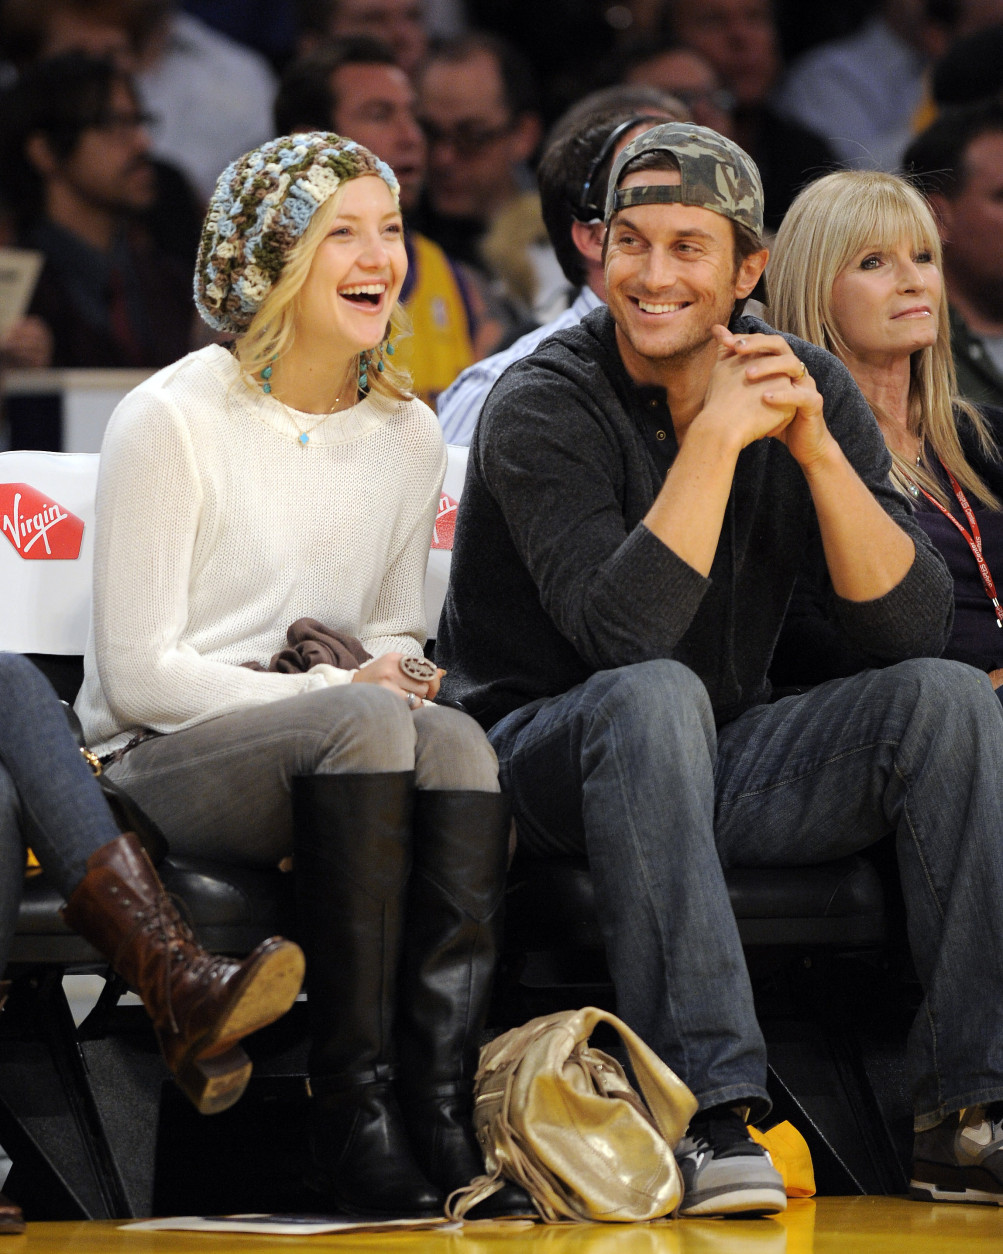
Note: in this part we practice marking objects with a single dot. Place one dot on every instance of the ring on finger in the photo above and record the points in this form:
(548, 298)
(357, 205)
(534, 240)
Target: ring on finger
(419, 668)
(804, 371)
(413, 701)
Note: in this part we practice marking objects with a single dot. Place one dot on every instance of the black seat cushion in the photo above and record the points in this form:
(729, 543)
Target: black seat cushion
(231, 909)
(551, 905)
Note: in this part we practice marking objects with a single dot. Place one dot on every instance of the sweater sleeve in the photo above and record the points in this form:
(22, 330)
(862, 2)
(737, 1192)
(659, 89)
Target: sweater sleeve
(614, 591)
(148, 509)
(914, 618)
(397, 623)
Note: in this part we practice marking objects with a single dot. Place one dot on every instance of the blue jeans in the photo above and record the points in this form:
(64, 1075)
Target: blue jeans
(627, 768)
(48, 796)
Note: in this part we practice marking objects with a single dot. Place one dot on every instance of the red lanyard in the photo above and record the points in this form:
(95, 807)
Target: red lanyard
(972, 538)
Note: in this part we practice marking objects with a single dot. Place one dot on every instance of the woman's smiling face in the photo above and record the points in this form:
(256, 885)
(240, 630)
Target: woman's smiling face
(357, 271)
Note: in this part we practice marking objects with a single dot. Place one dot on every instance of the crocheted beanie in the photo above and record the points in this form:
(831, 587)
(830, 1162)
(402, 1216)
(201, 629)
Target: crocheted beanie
(262, 204)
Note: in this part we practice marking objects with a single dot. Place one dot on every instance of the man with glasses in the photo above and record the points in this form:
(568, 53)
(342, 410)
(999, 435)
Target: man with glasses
(477, 104)
(572, 179)
(355, 86)
(74, 148)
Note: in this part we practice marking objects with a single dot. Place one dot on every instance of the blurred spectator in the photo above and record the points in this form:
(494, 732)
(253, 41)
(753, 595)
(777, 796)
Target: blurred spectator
(401, 23)
(958, 164)
(74, 145)
(739, 39)
(269, 26)
(35, 30)
(971, 69)
(863, 91)
(572, 177)
(211, 97)
(688, 76)
(477, 102)
(355, 87)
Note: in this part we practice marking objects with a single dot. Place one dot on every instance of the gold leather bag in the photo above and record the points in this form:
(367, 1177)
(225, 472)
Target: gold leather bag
(560, 1119)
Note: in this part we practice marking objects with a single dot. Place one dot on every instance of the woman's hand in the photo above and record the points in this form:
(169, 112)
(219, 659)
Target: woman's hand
(386, 671)
(996, 678)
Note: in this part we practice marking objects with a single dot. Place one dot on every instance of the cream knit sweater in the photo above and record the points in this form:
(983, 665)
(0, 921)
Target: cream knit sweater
(216, 529)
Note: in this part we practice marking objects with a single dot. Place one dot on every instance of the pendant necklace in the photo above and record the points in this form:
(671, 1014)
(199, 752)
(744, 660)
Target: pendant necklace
(304, 433)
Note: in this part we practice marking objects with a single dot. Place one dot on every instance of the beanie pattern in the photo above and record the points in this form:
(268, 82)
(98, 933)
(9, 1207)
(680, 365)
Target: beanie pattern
(263, 203)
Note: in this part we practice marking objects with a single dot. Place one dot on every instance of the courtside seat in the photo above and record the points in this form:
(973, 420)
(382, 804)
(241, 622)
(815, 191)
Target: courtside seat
(834, 904)
(68, 1119)
(232, 909)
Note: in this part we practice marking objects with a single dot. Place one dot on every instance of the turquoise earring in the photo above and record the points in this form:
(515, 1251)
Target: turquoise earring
(266, 374)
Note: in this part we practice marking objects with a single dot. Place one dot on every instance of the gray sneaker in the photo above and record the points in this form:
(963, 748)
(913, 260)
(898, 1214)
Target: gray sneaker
(961, 1159)
(726, 1172)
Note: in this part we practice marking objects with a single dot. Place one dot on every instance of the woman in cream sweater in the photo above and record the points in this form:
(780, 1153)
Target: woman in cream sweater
(293, 476)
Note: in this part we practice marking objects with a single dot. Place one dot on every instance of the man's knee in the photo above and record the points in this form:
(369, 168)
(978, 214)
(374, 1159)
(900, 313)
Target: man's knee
(939, 688)
(661, 697)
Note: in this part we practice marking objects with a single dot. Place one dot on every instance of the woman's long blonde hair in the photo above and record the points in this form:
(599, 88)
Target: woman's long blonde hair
(831, 220)
(273, 328)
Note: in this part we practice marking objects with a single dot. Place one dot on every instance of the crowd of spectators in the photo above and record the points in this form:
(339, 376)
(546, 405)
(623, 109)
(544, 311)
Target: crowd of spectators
(120, 114)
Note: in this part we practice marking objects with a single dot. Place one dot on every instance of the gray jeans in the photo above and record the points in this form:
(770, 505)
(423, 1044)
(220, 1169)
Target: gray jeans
(222, 789)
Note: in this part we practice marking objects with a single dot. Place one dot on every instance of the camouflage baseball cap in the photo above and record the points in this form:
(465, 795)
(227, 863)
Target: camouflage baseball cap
(715, 174)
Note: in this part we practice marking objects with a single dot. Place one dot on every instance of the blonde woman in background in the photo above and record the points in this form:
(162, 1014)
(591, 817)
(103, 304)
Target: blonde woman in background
(857, 269)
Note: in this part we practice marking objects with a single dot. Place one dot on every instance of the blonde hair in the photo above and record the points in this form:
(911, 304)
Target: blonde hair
(831, 220)
(272, 330)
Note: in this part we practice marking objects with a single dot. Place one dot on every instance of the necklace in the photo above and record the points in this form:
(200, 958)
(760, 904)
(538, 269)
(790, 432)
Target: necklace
(304, 433)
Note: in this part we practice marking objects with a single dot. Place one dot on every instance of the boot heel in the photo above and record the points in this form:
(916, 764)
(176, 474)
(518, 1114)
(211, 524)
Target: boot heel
(214, 1084)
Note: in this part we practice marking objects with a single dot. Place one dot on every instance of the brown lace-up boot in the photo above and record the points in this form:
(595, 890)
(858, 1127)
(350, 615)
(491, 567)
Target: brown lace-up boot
(201, 1005)
(11, 1218)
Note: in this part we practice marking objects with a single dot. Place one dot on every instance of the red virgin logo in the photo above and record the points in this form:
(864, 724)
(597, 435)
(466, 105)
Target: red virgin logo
(445, 522)
(37, 526)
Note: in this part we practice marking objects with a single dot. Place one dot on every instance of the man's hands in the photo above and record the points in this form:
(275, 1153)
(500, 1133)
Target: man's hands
(759, 388)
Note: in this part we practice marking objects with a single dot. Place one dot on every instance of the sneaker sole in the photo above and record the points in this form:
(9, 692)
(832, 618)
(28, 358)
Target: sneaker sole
(924, 1191)
(736, 1201)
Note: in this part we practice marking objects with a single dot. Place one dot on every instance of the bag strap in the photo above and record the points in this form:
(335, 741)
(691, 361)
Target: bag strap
(671, 1103)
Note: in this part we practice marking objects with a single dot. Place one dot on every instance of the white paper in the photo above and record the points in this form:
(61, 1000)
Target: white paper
(19, 270)
(280, 1225)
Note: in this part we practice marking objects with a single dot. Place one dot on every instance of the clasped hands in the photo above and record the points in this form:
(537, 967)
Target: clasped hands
(759, 387)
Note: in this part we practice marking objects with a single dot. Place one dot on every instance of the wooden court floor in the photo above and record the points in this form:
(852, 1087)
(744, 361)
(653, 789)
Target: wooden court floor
(853, 1225)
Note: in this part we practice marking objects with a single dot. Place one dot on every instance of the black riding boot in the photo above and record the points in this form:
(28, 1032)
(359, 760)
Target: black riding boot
(352, 861)
(451, 942)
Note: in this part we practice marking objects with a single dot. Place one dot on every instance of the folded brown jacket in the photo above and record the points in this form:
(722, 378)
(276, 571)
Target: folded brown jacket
(310, 642)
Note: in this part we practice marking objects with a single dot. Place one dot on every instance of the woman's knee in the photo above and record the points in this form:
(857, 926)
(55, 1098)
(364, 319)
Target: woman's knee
(366, 728)
(452, 752)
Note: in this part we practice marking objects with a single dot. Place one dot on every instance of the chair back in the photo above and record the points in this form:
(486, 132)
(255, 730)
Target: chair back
(440, 555)
(46, 550)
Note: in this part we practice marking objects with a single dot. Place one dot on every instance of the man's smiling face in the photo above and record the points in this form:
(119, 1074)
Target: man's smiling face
(670, 277)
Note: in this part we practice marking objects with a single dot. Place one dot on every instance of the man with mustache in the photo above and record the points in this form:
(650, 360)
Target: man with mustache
(74, 149)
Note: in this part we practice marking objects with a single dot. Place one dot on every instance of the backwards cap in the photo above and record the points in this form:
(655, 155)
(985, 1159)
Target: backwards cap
(263, 203)
(714, 174)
